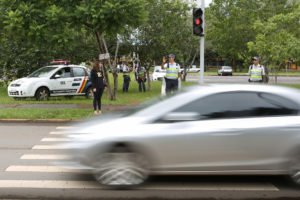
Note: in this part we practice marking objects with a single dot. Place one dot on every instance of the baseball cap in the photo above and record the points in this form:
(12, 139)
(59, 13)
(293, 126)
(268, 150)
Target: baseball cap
(171, 56)
(255, 58)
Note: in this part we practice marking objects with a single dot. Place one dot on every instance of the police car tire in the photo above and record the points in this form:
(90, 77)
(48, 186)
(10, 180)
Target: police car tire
(89, 93)
(42, 90)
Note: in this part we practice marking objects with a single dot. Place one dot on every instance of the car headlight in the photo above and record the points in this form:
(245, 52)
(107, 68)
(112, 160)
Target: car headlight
(15, 85)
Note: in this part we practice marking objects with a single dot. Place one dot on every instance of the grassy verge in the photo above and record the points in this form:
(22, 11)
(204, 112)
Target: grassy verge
(130, 98)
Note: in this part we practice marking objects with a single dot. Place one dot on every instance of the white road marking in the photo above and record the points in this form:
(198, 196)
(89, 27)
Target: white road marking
(65, 127)
(45, 157)
(95, 185)
(58, 133)
(48, 147)
(55, 140)
(21, 168)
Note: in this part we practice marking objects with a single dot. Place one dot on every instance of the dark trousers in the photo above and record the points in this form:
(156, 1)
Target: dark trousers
(97, 98)
(141, 85)
(126, 83)
(171, 85)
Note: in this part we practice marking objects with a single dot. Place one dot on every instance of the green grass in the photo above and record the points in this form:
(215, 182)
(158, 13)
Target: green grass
(133, 97)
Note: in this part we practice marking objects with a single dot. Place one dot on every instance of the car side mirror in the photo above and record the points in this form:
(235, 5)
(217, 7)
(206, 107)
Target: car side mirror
(181, 116)
(57, 76)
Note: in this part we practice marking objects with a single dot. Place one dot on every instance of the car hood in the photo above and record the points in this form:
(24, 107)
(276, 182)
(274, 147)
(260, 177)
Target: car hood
(27, 80)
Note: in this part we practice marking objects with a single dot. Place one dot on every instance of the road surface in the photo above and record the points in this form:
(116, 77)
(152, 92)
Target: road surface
(27, 171)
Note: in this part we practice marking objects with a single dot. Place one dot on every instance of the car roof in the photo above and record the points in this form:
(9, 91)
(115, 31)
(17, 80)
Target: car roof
(61, 66)
(194, 92)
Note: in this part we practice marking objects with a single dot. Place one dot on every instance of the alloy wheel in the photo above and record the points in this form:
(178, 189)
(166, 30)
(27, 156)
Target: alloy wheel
(121, 169)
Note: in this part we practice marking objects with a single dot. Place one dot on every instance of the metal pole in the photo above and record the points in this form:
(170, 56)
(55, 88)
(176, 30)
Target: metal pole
(201, 79)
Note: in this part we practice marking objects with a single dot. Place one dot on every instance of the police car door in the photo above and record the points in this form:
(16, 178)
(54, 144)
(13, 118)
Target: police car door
(80, 80)
(62, 84)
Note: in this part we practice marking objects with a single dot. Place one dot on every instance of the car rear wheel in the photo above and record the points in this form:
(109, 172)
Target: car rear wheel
(89, 93)
(294, 170)
(42, 94)
(121, 169)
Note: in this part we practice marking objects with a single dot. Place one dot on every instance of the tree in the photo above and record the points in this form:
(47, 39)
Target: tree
(55, 22)
(169, 30)
(278, 39)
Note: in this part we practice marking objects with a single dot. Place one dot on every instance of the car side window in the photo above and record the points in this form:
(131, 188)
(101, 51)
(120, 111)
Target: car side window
(240, 104)
(64, 72)
(77, 71)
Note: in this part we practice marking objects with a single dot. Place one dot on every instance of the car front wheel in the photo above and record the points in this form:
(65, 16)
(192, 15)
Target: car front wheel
(89, 93)
(121, 169)
(42, 94)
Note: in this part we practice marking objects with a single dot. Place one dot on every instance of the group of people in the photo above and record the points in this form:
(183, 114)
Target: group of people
(256, 72)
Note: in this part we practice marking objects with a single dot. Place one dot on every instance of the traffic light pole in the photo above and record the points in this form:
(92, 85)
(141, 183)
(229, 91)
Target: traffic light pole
(201, 79)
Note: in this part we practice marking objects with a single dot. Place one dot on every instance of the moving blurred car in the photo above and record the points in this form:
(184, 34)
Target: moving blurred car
(158, 73)
(213, 129)
(53, 80)
(225, 70)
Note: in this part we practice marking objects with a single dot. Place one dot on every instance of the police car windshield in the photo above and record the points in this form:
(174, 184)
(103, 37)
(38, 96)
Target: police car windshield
(43, 72)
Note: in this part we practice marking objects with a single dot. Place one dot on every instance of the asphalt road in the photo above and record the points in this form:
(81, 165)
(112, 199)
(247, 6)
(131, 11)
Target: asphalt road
(244, 79)
(27, 171)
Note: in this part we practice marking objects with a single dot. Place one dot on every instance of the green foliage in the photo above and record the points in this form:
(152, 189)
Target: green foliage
(278, 38)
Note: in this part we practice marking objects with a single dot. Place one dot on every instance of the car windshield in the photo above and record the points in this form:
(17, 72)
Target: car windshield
(226, 67)
(43, 72)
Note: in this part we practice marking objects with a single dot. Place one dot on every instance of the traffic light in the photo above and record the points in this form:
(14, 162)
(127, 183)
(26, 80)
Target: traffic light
(198, 21)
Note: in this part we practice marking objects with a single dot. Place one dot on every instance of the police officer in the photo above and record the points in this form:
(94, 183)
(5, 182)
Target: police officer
(256, 71)
(141, 73)
(173, 73)
(126, 77)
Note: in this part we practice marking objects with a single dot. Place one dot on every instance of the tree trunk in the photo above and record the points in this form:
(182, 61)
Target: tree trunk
(110, 93)
(115, 72)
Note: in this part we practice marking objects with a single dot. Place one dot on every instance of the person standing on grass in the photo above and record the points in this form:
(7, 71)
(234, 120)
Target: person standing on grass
(126, 77)
(98, 86)
(256, 71)
(172, 75)
(141, 72)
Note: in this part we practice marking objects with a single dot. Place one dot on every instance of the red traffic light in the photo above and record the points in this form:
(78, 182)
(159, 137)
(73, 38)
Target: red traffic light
(198, 21)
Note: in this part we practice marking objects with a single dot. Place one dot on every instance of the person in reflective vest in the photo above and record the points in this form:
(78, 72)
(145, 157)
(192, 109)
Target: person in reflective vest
(256, 71)
(172, 74)
(126, 77)
(141, 73)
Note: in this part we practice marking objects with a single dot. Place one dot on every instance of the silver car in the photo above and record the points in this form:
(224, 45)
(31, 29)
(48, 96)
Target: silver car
(211, 129)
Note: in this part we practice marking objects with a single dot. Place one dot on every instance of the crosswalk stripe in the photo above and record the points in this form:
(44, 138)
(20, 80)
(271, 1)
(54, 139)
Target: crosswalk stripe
(48, 147)
(49, 184)
(65, 127)
(58, 133)
(94, 185)
(45, 157)
(45, 169)
(56, 140)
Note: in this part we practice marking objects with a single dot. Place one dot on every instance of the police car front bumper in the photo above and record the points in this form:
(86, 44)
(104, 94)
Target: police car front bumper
(18, 92)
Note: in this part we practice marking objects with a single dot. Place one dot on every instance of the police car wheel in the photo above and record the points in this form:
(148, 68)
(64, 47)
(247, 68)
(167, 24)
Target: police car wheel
(119, 169)
(42, 94)
(89, 93)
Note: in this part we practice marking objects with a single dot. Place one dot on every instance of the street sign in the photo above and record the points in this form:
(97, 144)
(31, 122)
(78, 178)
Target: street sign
(104, 56)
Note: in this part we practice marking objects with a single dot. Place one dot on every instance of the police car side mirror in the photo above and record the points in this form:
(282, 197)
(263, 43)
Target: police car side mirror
(57, 76)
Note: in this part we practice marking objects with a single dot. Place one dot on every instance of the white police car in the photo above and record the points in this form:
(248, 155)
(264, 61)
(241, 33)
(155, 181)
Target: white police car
(54, 80)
